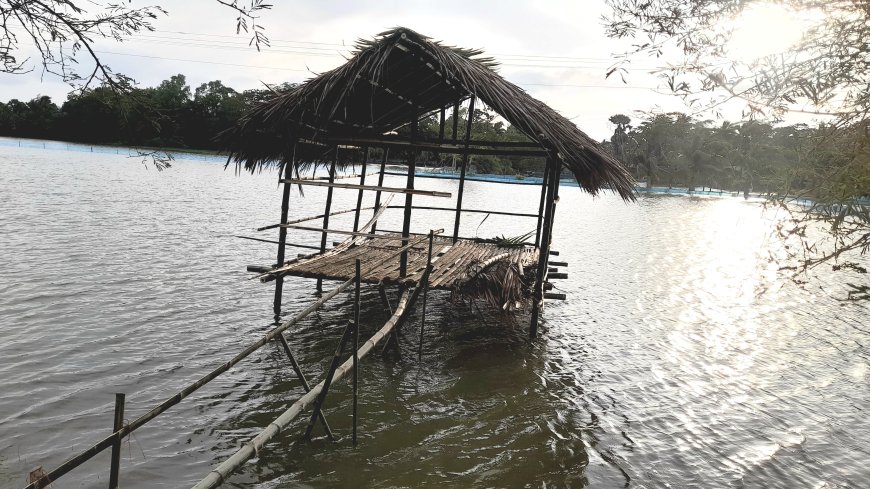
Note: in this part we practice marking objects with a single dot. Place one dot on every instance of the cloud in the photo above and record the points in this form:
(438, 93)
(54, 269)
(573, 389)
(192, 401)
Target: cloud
(556, 50)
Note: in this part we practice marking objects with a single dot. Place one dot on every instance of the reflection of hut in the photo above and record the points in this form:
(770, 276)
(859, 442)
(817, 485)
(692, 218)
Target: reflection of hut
(390, 84)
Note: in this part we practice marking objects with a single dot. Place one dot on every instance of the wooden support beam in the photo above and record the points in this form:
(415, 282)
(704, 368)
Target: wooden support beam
(555, 295)
(559, 263)
(464, 168)
(378, 188)
(557, 275)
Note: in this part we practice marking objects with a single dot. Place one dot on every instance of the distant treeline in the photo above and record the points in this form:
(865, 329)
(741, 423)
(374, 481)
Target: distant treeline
(670, 149)
(171, 115)
(673, 149)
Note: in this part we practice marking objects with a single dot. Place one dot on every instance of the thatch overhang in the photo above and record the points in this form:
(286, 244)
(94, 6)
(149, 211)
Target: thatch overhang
(389, 81)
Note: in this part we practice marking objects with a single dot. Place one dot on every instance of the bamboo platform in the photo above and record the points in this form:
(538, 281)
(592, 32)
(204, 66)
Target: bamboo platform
(453, 264)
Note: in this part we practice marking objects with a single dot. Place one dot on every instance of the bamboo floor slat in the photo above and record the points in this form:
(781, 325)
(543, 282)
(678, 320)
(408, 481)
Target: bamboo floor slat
(452, 263)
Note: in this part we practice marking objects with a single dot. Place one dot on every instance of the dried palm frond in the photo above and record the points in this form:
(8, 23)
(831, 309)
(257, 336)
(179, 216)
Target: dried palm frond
(500, 282)
(399, 76)
(508, 242)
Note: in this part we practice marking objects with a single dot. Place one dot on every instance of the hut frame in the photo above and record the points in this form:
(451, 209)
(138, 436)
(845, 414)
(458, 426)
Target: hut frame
(390, 84)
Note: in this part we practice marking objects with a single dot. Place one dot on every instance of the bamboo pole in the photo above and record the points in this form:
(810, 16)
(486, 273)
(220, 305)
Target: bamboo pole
(464, 169)
(327, 382)
(298, 370)
(541, 209)
(380, 184)
(178, 397)
(455, 119)
(356, 348)
(543, 255)
(250, 449)
(409, 201)
(118, 423)
(353, 186)
(362, 183)
(425, 291)
(292, 245)
(282, 237)
(327, 209)
(472, 211)
(303, 219)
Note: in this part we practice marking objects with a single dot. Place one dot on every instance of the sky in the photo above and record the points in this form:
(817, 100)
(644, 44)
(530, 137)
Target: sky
(555, 50)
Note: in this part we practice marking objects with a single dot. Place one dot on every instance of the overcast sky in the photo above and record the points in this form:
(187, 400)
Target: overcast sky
(556, 50)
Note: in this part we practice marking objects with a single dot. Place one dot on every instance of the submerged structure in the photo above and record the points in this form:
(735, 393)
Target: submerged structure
(373, 103)
(371, 107)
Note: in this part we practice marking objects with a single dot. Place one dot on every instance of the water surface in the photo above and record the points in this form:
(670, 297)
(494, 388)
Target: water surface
(680, 359)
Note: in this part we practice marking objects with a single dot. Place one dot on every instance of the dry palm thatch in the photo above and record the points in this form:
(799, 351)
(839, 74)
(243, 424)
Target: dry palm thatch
(500, 282)
(397, 77)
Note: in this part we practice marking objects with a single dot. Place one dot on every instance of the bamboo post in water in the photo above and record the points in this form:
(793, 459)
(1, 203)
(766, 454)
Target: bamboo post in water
(425, 292)
(406, 224)
(298, 370)
(463, 170)
(356, 348)
(541, 207)
(118, 423)
(543, 251)
(359, 197)
(282, 236)
(336, 361)
(328, 208)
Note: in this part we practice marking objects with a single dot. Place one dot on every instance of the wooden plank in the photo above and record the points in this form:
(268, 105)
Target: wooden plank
(394, 190)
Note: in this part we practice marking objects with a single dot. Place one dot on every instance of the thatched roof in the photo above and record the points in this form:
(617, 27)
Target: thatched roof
(392, 79)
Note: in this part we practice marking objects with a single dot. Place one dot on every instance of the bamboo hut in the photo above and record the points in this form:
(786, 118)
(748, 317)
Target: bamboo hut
(389, 84)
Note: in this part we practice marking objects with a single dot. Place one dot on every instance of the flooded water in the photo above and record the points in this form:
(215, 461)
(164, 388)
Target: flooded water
(680, 358)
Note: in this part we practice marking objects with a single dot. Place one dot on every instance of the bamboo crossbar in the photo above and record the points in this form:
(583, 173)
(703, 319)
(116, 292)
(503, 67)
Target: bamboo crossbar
(319, 216)
(477, 211)
(272, 241)
(335, 231)
(168, 403)
(449, 148)
(249, 449)
(393, 190)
